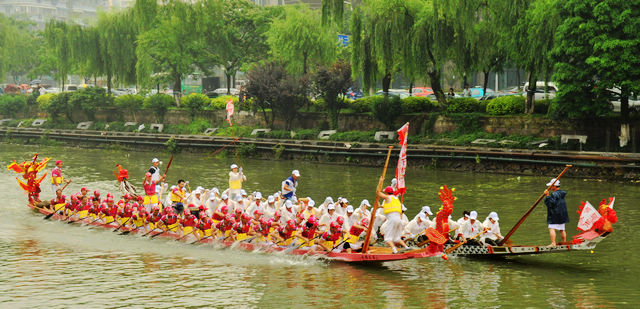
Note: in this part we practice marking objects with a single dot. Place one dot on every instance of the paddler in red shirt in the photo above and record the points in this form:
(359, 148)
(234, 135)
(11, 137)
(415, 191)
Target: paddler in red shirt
(151, 196)
(353, 241)
(224, 227)
(188, 223)
(82, 210)
(331, 237)
(242, 227)
(205, 226)
(219, 215)
(169, 222)
(284, 234)
(309, 231)
(125, 214)
(96, 194)
(59, 202)
(109, 212)
(139, 217)
(154, 218)
(263, 228)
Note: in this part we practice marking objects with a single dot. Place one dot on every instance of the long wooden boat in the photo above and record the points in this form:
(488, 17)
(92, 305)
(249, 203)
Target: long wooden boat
(584, 241)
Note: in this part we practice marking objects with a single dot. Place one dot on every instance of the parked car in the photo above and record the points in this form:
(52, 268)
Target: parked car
(477, 92)
(540, 91)
(354, 94)
(223, 91)
(634, 100)
(396, 92)
(421, 91)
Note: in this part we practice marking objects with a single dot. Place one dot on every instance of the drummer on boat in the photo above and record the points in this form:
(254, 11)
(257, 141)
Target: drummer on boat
(150, 189)
(236, 178)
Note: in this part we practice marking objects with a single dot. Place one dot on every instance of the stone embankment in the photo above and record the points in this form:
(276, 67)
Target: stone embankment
(620, 166)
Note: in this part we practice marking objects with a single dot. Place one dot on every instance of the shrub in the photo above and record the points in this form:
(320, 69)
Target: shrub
(160, 104)
(198, 126)
(221, 102)
(129, 102)
(307, 134)
(195, 103)
(88, 100)
(418, 105)
(542, 106)
(364, 105)
(508, 105)
(354, 136)
(56, 105)
(10, 105)
(463, 105)
(387, 110)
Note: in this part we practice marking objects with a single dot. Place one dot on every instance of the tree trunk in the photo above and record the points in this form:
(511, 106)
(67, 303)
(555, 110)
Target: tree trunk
(486, 81)
(228, 75)
(304, 63)
(434, 78)
(518, 77)
(386, 82)
(177, 87)
(411, 88)
(108, 81)
(464, 80)
(531, 91)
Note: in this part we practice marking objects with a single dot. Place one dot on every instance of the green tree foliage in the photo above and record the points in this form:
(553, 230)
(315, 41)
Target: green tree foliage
(331, 82)
(57, 36)
(195, 103)
(300, 41)
(10, 105)
(387, 110)
(17, 44)
(507, 105)
(129, 103)
(166, 51)
(88, 100)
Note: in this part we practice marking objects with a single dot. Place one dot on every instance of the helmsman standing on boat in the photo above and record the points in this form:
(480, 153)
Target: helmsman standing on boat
(290, 185)
(56, 177)
(557, 214)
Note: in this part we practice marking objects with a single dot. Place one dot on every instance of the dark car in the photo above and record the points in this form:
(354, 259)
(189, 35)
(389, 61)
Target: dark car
(354, 94)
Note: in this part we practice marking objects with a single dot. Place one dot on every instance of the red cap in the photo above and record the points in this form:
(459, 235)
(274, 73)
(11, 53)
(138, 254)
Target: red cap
(313, 220)
(257, 212)
(191, 206)
(202, 207)
(156, 208)
(84, 189)
(335, 225)
(147, 174)
(364, 222)
(127, 196)
(277, 214)
(340, 220)
(96, 193)
(74, 198)
(238, 211)
(169, 209)
(58, 162)
(140, 198)
(109, 195)
(388, 190)
(291, 224)
(246, 217)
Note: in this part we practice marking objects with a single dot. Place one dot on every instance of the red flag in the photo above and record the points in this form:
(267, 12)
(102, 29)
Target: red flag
(403, 133)
(15, 167)
(229, 111)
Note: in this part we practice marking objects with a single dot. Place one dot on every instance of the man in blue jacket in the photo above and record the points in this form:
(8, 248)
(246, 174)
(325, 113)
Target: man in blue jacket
(557, 214)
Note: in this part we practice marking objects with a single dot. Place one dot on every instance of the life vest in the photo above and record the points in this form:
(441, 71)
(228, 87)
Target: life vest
(149, 188)
(175, 197)
(354, 234)
(291, 184)
(235, 184)
(56, 176)
(329, 239)
(393, 206)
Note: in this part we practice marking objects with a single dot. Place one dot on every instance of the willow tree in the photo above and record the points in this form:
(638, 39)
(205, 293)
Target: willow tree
(117, 37)
(332, 12)
(381, 37)
(166, 51)
(56, 34)
(299, 39)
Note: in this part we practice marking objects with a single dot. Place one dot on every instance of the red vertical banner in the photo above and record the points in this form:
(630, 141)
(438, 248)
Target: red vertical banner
(229, 111)
(403, 133)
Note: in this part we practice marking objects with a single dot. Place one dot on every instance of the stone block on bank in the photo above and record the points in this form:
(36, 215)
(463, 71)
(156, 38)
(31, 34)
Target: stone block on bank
(158, 126)
(38, 122)
(564, 138)
(386, 135)
(325, 134)
(256, 131)
(540, 143)
(4, 120)
(84, 125)
(210, 131)
(130, 123)
(483, 141)
(20, 124)
(507, 142)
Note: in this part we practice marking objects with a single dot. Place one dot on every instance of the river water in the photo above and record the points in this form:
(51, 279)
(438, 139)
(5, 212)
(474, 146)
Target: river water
(56, 265)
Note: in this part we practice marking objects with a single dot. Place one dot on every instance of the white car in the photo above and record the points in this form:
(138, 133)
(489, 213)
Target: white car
(633, 100)
(540, 94)
(223, 91)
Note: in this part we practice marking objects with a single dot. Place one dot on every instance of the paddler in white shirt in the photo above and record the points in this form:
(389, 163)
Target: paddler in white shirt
(363, 211)
(256, 204)
(461, 221)
(329, 217)
(350, 218)
(416, 228)
(213, 200)
(236, 178)
(341, 206)
(471, 228)
(493, 236)
(155, 173)
(322, 209)
(287, 211)
(310, 209)
(270, 209)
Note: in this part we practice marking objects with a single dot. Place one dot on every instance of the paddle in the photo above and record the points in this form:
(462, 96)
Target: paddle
(302, 244)
(122, 224)
(54, 212)
(367, 238)
(185, 235)
(149, 232)
(513, 230)
(127, 232)
(444, 255)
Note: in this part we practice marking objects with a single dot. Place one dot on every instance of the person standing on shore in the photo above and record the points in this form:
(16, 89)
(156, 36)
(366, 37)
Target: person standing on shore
(557, 214)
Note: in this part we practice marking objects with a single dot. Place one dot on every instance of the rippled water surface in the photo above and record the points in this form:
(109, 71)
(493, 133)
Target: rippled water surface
(56, 265)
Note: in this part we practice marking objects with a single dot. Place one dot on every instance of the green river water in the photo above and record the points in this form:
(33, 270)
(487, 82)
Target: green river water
(56, 265)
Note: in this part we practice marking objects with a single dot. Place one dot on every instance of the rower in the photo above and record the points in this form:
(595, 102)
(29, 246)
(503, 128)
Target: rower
(284, 234)
(150, 190)
(341, 207)
(96, 194)
(287, 211)
(125, 214)
(493, 236)
(56, 177)
(263, 228)
(109, 212)
(471, 228)
(290, 185)
(178, 196)
(329, 217)
(139, 217)
(322, 209)
(362, 211)
(236, 178)
(242, 227)
(220, 214)
(308, 232)
(240, 203)
(270, 208)
(310, 210)
(205, 226)
(350, 219)
(331, 237)
(169, 222)
(357, 231)
(256, 204)
(82, 210)
(224, 227)
(214, 199)
(154, 218)
(393, 212)
(188, 223)
(58, 202)
(193, 209)
(463, 219)
(416, 227)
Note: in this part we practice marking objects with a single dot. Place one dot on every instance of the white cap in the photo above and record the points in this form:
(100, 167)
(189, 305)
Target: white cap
(552, 181)
(295, 173)
(473, 215)
(427, 210)
(199, 188)
(243, 192)
(224, 196)
(345, 200)
(494, 215)
(238, 198)
(349, 208)
(215, 190)
(365, 202)
(271, 199)
(404, 208)
(234, 166)
(394, 182)
(311, 203)
(155, 160)
(422, 216)
(212, 198)
(197, 191)
(288, 204)
(331, 206)
(328, 200)
(258, 195)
